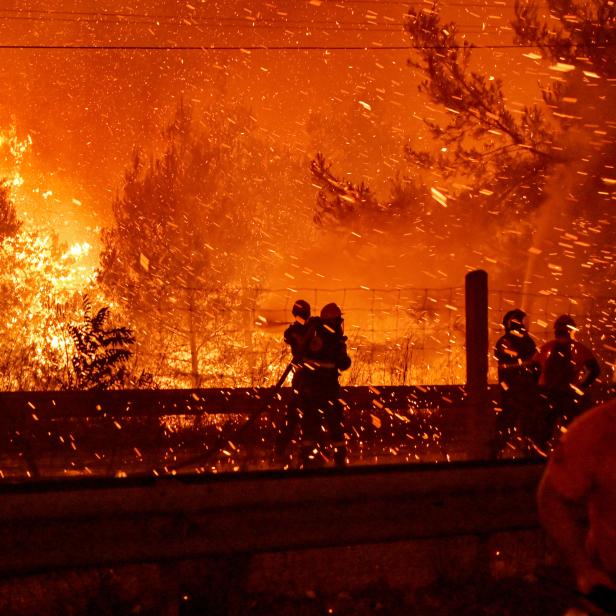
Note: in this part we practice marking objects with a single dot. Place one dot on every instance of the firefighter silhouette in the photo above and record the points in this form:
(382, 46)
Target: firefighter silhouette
(295, 336)
(321, 411)
(568, 368)
(518, 373)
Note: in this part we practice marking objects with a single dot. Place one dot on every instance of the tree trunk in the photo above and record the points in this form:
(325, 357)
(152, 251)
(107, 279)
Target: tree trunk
(192, 332)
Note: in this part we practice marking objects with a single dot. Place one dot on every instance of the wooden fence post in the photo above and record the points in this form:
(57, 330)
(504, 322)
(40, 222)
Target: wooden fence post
(479, 420)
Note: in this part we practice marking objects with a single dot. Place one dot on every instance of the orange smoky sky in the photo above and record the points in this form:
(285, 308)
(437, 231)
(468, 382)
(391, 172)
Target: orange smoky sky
(86, 109)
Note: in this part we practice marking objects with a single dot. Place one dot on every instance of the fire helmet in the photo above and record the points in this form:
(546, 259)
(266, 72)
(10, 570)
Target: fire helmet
(331, 312)
(564, 325)
(515, 316)
(301, 308)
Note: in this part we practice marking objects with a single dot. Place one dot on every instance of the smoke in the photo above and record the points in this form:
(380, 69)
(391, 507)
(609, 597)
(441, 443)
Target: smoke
(567, 226)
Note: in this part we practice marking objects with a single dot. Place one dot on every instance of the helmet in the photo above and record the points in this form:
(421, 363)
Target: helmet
(515, 316)
(564, 325)
(301, 308)
(331, 312)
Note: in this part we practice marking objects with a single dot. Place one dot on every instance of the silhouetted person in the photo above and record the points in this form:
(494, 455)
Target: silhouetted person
(319, 389)
(577, 498)
(295, 336)
(517, 375)
(568, 368)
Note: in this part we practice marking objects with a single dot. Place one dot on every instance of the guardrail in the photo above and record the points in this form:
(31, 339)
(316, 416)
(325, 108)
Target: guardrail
(83, 523)
(49, 433)
(37, 405)
(78, 429)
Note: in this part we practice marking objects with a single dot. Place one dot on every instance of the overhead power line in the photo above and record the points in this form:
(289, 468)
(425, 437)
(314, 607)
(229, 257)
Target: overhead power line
(195, 15)
(292, 28)
(228, 22)
(347, 26)
(244, 48)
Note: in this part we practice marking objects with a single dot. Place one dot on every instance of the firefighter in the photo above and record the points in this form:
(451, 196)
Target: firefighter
(295, 337)
(517, 375)
(319, 389)
(568, 368)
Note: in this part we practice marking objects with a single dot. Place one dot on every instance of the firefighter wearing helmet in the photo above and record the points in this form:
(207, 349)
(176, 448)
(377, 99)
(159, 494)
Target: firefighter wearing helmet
(325, 356)
(295, 336)
(568, 369)
(518, 372)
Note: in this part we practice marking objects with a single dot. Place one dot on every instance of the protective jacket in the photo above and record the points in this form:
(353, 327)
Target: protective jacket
(514, 352)
(325, 355)
(565, 363)
(296, 336)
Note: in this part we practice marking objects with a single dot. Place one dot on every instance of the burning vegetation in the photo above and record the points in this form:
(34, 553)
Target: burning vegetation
(222, 218)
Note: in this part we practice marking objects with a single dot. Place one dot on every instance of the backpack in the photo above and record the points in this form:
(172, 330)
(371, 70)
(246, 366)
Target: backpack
(324, 344)
(316, 342)
(559, 369)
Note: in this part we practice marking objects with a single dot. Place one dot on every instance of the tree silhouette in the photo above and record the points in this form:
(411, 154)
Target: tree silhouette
(578, 33)
(356, 206)
(505, 154)
(339, 202)
(101, 351)
(186, 236)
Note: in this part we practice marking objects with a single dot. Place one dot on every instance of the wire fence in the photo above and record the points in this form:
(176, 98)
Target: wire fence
(401, 336)
(595, 318)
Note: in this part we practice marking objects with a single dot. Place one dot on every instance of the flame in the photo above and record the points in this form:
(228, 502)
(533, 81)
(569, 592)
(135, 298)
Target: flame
(13, 151)
(78, 255)
(78, 250)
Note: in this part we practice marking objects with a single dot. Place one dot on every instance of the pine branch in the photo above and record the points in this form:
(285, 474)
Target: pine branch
(477, 103)
(585, 34)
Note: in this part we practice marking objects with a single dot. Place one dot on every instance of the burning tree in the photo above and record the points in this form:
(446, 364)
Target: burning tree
(357, 207)
(41, 346)
(186, 239)
(491, 159)
(505, 152)
(37, 301)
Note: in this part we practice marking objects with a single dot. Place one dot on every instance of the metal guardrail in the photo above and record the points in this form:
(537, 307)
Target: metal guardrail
(50, 525)
(37, 405)
(52, 405)
(52, 433)
(45, 433)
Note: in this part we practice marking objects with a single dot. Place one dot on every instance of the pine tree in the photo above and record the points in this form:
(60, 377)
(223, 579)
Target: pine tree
(578, 33)
(339, 202)
(505, 155)
(356, 207)
(185, 240)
